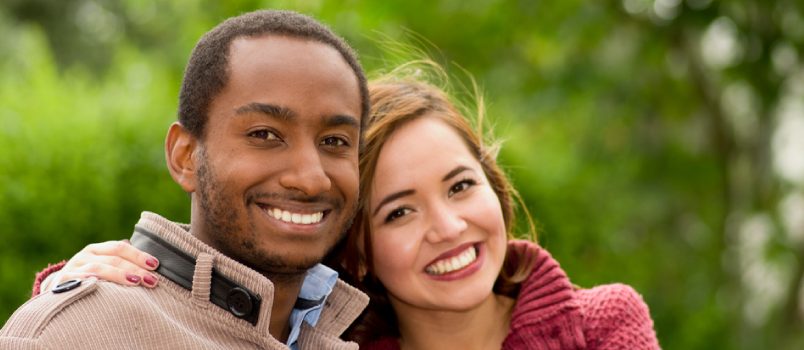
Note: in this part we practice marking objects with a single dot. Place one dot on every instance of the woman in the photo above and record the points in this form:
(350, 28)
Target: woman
(431, 245)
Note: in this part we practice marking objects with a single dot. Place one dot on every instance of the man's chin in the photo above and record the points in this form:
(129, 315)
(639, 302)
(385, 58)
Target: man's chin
(285, 265)
(286, 271)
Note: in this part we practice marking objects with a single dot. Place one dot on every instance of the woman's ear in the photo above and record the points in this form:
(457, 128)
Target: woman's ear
(180, 147)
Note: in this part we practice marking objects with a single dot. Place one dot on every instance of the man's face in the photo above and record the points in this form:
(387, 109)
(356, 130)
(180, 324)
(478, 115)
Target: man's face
(277, 173)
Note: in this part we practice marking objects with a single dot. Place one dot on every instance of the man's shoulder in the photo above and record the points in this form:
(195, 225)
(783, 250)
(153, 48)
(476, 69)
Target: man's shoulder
(29, 320)
(75, 312)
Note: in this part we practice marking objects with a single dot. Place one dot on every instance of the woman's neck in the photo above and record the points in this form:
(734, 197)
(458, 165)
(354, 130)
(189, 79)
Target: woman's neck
(482, 327)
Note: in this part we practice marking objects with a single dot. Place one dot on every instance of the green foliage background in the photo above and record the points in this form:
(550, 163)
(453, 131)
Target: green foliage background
(643, 136)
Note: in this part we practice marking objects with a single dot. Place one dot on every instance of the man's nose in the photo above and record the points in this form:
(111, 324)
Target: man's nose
(445, 223)
(305, 172)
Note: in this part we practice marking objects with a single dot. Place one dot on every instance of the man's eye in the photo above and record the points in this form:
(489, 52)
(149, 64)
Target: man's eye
(333, 141)
(396, 214)
(263, 134)
(461, 186)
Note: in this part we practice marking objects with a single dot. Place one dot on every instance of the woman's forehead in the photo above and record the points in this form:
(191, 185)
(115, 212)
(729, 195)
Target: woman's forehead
(420, 150)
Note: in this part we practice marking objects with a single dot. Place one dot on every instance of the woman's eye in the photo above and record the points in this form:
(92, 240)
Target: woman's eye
(461, 186)
(333, 141)
(396, 214)
(263, 134)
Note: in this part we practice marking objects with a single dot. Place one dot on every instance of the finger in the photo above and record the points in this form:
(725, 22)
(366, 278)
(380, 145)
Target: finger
(90, 264)
(103, 264)
(125, 251)
(117, 275)
(109, 268)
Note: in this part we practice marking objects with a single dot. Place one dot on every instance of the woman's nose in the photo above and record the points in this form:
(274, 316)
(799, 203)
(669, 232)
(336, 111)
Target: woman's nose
(446, 224)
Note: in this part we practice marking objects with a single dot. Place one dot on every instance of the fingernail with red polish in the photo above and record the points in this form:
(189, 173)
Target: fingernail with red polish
(149, 280)
(152, 262)
(132, 278)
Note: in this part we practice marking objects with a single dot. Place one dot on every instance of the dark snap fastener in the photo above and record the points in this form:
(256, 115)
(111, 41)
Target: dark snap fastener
(67, 286)
(239, 302)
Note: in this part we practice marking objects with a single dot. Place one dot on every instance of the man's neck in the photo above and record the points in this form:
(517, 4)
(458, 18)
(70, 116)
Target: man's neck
(286, 291)
(286, 285)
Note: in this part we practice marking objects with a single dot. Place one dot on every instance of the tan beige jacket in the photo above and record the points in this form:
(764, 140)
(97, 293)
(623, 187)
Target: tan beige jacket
(104, 315)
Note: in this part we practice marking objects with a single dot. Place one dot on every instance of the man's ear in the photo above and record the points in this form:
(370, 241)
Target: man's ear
(180, 147)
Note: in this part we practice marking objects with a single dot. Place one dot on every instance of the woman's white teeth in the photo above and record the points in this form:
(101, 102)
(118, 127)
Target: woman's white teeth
(296, 218)
(454, 263)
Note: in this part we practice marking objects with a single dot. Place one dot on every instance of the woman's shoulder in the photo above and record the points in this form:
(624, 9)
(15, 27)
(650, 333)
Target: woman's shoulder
(612, 299)
(615, 301)
(616, 316)
(547, 280)
(546, 292)
(611, 316)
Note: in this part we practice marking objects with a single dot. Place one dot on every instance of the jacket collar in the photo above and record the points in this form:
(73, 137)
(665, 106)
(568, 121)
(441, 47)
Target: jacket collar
(547, 311)
(341, 308)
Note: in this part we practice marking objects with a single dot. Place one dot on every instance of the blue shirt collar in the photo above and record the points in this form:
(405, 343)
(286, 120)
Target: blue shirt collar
(316, 287)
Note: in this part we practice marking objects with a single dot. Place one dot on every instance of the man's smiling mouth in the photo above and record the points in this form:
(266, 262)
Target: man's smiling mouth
(294, 218)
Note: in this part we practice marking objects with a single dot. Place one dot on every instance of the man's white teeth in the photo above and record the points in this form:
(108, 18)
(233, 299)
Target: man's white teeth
(296, 218)
(454, 263)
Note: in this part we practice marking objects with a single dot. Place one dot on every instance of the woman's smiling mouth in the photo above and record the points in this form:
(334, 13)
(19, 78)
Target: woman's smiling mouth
(453, 263)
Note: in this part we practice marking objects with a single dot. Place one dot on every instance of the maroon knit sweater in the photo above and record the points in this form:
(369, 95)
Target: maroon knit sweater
(551, 314)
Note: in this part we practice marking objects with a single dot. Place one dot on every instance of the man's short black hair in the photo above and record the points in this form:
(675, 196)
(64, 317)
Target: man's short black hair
(207, 70)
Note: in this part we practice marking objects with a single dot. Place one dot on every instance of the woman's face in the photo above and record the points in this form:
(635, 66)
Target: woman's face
(437, 230)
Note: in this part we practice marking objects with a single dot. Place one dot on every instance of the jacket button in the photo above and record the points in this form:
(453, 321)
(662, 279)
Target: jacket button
(239, 302)
(67, 286)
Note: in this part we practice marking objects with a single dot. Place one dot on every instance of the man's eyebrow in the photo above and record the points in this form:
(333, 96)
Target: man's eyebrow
(267, 109)
(459, 169)
(339, 120)
(392, 197)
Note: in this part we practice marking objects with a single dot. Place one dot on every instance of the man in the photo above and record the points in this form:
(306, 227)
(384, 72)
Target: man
(267, 141)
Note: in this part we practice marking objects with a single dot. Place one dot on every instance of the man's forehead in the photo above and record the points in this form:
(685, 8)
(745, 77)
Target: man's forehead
(279, 54)
(292, 80)
(277, 45)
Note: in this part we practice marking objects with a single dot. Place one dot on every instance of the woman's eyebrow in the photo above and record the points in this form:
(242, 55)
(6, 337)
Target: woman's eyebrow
(459, 169)
(392, 197)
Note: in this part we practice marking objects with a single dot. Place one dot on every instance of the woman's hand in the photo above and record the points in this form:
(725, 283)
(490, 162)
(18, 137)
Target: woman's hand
(114, 261)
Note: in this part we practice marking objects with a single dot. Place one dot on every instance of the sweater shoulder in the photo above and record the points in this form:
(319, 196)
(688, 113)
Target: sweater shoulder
(546, 293)
(616, 317)
(72, 315)
(31, 319)
(612, 301)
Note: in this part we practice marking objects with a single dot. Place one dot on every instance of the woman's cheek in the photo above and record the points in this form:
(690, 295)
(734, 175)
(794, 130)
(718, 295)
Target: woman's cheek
(392, 252)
